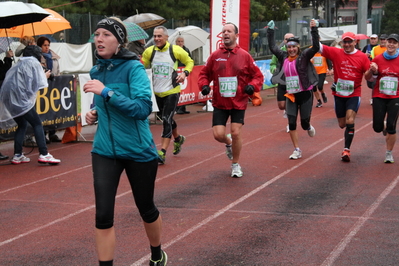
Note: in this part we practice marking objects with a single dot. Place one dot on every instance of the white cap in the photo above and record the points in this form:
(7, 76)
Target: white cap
(374, 36)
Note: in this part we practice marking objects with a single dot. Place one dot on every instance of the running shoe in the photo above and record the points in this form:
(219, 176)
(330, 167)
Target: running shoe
(161, 157)
(48, 158)
(388, 157)
(323, 95)
(177, 145)
(236, 170)
(19, 158)
(162, 261)
(288, 129)
(311, 131)
(325, 82)
(346, 154)
(319, 104)
(229, 149)
(285, 114)
(297, 154)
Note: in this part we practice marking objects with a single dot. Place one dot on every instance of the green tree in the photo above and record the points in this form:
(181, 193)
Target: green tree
(177, 9)
(390, 22)
(265, 10)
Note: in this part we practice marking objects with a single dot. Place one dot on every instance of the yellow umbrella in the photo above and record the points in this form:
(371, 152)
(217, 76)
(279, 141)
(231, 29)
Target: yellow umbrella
(49, 25)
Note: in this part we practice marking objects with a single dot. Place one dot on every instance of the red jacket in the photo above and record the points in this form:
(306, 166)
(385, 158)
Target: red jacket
(235, 63)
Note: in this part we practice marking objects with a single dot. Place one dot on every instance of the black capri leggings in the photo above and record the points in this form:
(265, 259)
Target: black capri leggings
(141, 176)
(303, 104)
(167, 107)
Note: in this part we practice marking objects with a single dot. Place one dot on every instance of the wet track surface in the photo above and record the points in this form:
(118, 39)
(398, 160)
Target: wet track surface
(316, 210)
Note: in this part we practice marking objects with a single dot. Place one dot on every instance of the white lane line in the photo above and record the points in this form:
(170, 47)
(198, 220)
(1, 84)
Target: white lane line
(142, 260)
(44, 179)
(359, 224)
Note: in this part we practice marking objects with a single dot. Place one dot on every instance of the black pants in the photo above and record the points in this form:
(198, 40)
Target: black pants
(141, 176)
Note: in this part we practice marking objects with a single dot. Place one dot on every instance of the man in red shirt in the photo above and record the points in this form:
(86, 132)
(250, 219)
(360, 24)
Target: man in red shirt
(235, 76)
(349, 66)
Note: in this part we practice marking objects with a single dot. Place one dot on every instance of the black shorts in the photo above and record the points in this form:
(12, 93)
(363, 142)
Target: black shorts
(281, 90)
(343, 104)
(220, 116)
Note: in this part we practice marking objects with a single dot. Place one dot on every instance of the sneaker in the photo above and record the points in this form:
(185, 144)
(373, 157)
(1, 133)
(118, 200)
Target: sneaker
(177, 145)
(19, 158)
(318, 105)
(161, 157)
(324, 97)
(48, 159)
(311, 131)
(371, 101)
(236, 170)
(288, 129)
(285, 114)
(162, 261)
(388, 157)
(297, 154)
(325, 82)
(229, 149)
(346, 154)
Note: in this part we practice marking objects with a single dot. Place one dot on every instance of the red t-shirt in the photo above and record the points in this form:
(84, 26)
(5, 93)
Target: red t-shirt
(386, 69)
(349, 68)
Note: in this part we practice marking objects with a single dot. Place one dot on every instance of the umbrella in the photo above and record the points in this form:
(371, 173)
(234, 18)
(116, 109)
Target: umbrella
(302, 22)
(49, 25)
(19, 13)
(146, 20)
(194, 37)
(322, 21)
(134, 32)
(4, 44)
(361, 36)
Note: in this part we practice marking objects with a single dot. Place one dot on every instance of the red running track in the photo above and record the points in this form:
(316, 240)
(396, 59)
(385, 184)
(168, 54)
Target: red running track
(313, 211)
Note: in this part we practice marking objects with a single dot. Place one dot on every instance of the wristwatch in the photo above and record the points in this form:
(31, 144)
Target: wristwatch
(109, 95)
(186, 72)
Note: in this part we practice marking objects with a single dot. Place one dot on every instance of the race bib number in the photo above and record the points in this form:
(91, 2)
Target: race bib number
(317, 61)
(292, 84)
(228, 86)
(161, 70)
(345, 87)
(389, 85)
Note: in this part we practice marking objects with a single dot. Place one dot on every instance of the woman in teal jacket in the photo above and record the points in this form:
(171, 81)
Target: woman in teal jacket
(123, 140)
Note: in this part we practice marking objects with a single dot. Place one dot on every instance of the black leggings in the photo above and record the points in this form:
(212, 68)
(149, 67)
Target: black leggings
(141, 176)
(167, 107)
(385, 107)
(303, 103)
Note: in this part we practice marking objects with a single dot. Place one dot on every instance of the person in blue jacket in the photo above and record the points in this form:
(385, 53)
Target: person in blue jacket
(123, 141)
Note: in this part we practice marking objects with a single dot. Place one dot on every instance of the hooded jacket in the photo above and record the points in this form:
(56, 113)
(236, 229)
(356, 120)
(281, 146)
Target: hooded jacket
(306, 71)
(123, 129)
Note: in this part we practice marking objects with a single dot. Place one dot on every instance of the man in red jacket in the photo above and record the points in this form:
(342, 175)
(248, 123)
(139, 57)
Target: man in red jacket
(235, 76)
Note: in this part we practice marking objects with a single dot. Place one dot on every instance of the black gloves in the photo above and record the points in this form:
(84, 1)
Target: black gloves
(249, 89)
(205, 90)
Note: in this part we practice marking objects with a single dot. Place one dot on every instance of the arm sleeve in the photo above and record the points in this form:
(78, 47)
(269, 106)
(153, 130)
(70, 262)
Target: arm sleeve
(139, 104)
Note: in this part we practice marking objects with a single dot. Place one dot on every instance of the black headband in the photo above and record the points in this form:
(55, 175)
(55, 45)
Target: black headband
(116, 28)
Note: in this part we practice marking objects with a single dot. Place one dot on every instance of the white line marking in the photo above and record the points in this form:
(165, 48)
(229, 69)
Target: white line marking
(359, 224)
(238, 201)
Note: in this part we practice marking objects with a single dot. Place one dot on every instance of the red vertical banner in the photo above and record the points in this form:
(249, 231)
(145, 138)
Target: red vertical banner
(235, 11)
(244, 26)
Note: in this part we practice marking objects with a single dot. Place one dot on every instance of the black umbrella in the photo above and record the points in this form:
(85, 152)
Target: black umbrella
(18, 13)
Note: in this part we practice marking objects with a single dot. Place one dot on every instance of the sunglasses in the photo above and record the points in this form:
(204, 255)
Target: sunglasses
(347, 41)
